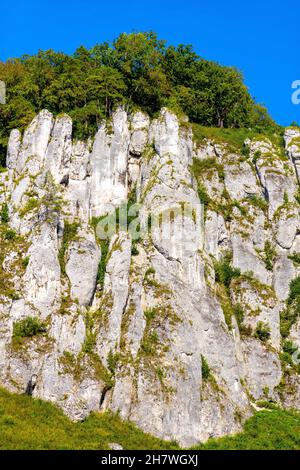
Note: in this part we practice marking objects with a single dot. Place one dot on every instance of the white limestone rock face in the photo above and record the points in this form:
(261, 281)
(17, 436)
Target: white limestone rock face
(109, 165)
(158, 328)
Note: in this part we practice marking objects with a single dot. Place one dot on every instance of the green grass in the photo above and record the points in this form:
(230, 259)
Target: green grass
(267, 429)
(27, 423)
(235, 138)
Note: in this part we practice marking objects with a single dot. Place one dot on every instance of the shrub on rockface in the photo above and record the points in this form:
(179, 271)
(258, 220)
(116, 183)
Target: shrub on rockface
(205, 369)
(4, 214)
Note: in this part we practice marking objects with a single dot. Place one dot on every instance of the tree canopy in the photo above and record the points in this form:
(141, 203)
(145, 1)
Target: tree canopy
(137, 70)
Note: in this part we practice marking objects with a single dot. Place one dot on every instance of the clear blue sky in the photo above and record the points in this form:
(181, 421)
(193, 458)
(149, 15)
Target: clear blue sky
(261, 38)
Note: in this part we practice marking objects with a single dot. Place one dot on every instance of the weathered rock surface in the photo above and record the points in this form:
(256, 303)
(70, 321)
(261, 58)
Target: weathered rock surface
(143, 323)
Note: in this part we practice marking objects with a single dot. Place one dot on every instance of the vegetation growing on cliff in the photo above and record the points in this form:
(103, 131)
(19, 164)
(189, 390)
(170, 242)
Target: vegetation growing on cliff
(266, 430)
(137, 70)
(34, 424)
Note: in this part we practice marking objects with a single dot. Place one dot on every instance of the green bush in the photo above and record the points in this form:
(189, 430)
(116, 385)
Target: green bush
(29, 326)
(288, 316)
(33, 424)
(134, 250)
(205, 369)
(203, 195)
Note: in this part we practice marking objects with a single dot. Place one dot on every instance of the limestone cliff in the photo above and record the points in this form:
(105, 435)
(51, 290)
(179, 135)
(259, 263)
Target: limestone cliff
(150, 326)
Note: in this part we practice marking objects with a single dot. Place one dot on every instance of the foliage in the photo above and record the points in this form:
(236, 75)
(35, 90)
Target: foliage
(31, 204)
(137, 70)
(203, 195)
(289, 347)
(205, 369)
(4, 214)
(120, 219)
(234, 138)
(112, 361)
(10, 234)
(198, 166)
(266, 430)
(69, 234)
(269, 255)
(25, 262)
(262, 331)
(89, 342)
(29, 326)
(294, 292)
(295, 257)
(104, 245)
(27, 423)
(290, 314)
(224, 271)
(258, 201)
(239, 315)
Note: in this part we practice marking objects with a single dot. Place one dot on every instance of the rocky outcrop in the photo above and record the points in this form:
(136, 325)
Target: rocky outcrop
(173, 320)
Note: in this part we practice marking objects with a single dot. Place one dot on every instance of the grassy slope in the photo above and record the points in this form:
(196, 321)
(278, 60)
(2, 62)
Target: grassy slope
(34, 424)
(267, 429)
(235, 138)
